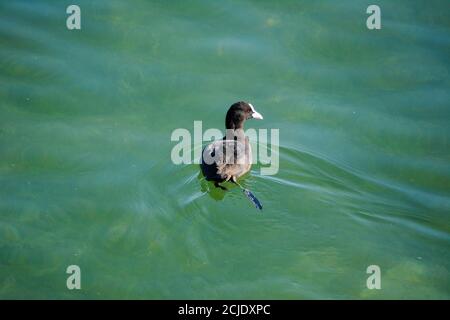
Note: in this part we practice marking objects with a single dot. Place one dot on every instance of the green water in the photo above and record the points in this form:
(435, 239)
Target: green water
(86, 176)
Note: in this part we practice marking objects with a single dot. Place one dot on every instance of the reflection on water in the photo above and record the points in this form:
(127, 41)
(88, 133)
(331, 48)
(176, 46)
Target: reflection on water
(208, 187)
(85, 170)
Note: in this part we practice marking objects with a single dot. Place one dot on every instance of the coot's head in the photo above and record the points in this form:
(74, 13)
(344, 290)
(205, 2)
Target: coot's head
(238, 113)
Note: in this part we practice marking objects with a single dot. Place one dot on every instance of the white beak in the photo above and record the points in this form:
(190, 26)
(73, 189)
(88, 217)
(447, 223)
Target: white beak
(257, 115)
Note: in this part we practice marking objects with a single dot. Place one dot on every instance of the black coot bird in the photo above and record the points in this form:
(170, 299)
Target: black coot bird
(230, 158)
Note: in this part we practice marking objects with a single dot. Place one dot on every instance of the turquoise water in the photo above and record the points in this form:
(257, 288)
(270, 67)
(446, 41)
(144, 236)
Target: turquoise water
(86, 176)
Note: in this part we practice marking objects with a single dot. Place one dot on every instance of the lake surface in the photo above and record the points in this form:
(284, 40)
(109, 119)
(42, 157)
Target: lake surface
(86, 176)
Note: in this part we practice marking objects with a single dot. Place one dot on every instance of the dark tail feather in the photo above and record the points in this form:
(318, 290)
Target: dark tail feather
(252, 198)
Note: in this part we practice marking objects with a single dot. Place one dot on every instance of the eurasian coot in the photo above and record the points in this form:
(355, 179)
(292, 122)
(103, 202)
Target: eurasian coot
(230, 158)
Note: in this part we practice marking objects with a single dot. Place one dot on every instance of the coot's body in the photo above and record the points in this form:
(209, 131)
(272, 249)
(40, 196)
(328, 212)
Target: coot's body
(231, 157)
